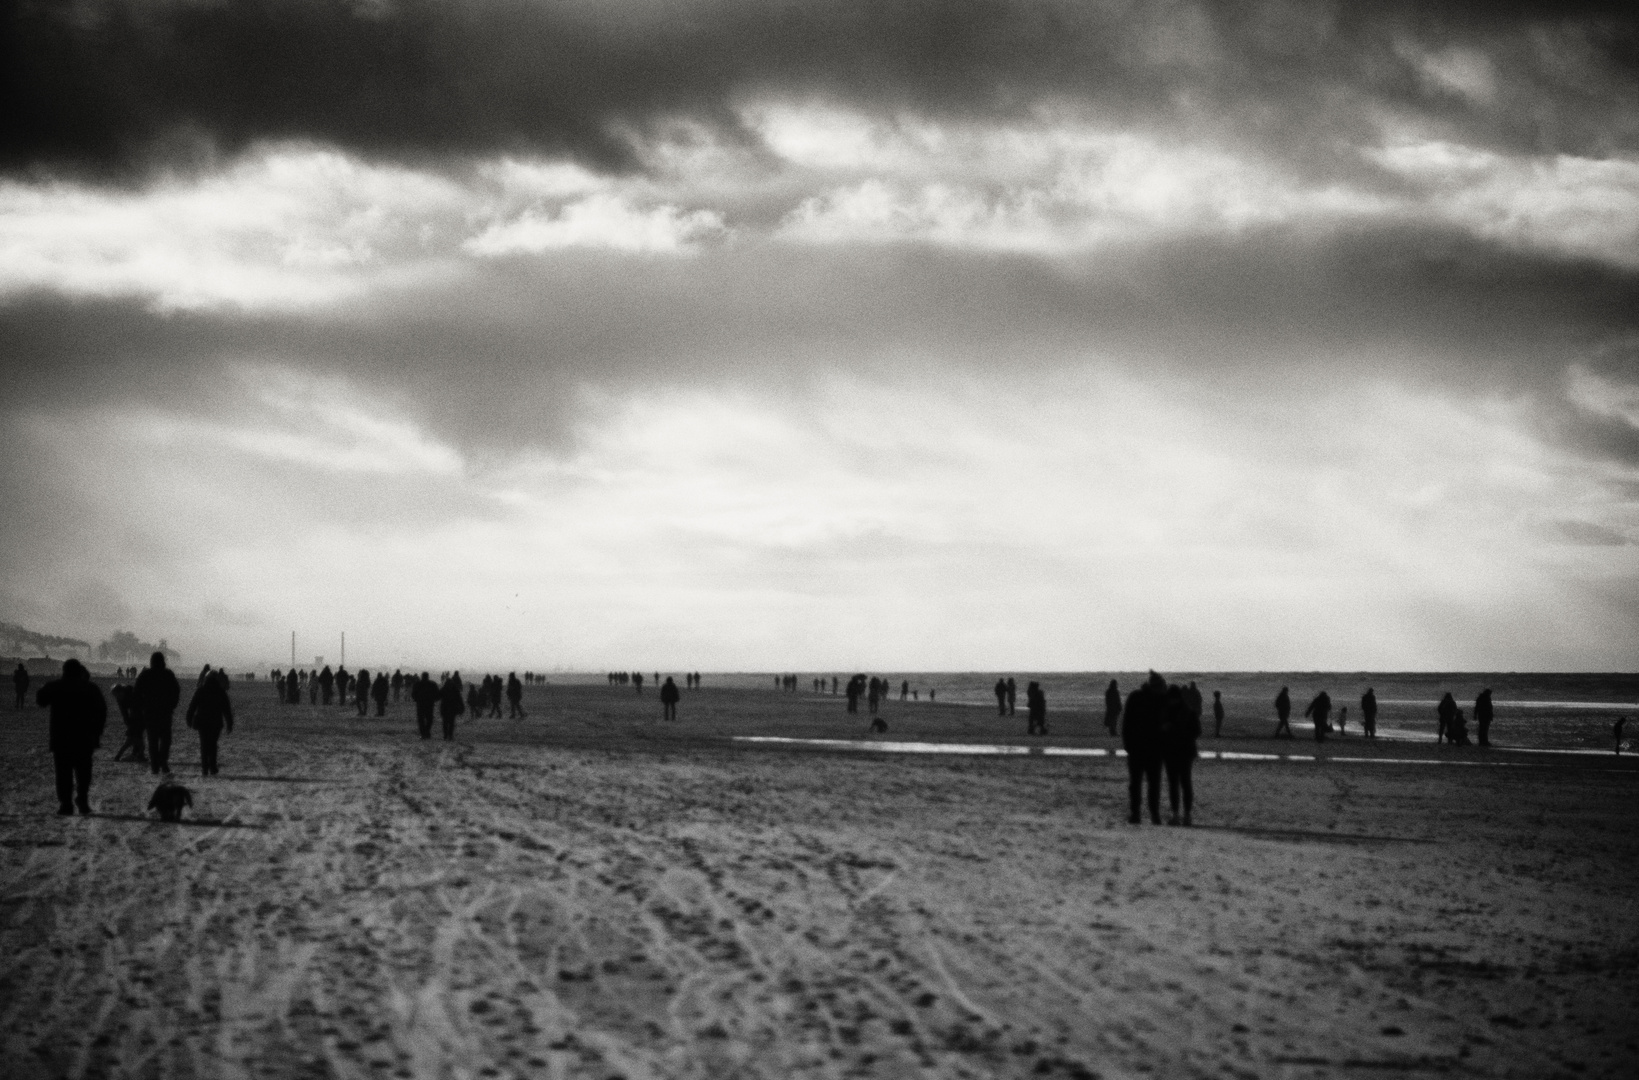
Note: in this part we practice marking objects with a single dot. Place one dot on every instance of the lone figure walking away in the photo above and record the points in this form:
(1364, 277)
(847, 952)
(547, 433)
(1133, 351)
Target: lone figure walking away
(1283, 713)
(157, 695)
(19, 682)
(1112, 706)
(78, 714)
(668, 698)
(209, 712)
(1035, 704)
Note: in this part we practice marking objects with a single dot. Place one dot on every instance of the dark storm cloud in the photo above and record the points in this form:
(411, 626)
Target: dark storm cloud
(110, 86)
(493, 360)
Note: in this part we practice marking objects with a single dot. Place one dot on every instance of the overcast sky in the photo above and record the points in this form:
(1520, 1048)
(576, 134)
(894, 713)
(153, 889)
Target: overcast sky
(850, 335)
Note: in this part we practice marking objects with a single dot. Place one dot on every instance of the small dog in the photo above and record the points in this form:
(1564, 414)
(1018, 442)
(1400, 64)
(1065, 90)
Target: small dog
(169, 799)
(879, 725)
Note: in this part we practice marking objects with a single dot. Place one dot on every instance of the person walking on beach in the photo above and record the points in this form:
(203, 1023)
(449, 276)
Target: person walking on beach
(1217, 714)
(397, 684)
(1283, 713)
(327, 683)
(1012, 694)
(1112, 706)
(378, 692)
(515, 696)
(668, 699)
(637, 681)
(1446, 713)
(209, 712)
(856, 687)
(19, 681)
(1343, 720)
(424, 693)
(1035, 704)
(1320, 709)
(157, 693)
(1141, 738)
(1180, 728)
(78, 715)
(1001, 697)
(450, 705)
(125, 701)
(1482, 716)
(1368, 712)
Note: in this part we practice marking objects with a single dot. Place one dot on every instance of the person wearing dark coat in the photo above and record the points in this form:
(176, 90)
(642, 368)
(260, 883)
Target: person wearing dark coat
(293, 688)
(1283, 713)
(1217, 714)
(1446, 713)
(1012, 695)
(1368, 712)
(1112, 706)
(361, 692)
(424, 692)
(450, 705)
(342, 679)
(78, 715)
(1482, 716)
(1035, 707)
(378, 693)
(125, 700)
(1180, 728)
(1320, 710)
(157, 694)
(669, 696)
(19, 682)
(515, 696)
(397, 684)
(1001, 697)
(209, 712)
(327, 683)
(1141, 738)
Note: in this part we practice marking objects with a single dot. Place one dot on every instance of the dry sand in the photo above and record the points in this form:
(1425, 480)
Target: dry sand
(589, 892)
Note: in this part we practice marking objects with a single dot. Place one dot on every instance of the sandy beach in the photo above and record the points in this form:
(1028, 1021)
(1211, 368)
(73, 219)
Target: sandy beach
(589, 892)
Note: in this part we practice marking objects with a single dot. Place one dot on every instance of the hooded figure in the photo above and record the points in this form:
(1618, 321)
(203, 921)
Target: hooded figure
(1446, 714)
(1320, 710)
(424, 692)
(78, 714)
(209, 711)
(669, 696)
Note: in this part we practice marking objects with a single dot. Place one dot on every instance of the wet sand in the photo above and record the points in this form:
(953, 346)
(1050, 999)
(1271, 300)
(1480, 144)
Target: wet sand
(592, 893)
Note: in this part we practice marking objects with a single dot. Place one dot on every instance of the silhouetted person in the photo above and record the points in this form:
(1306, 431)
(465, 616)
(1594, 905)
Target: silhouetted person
(19, 682)
(1446, 714)
(637, 681)
(1141, 738)
(157, 694)
(78, 714)
(424, 692)
(1458, 731)
(312, 688)
(1035, 705)
(1217, 714)
(1192, 699)
(494, 695)
(1112, 706)
(1012, 694)
(209, 712)
(125, 701)
(1180, 728)
(1482, 716)
(856, 687)
(515, 697)
(1320, 710)
(327, 683)
(293, 689)
(398, 684)
(1368, 712)
(1616, 730)
(1283, 713)
(834, 688)
(378, 692)
(1001, 697)
(361, 692)
(169, 798)
(342, 679)
(904, 689)
(668, 699)
(450, 705)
